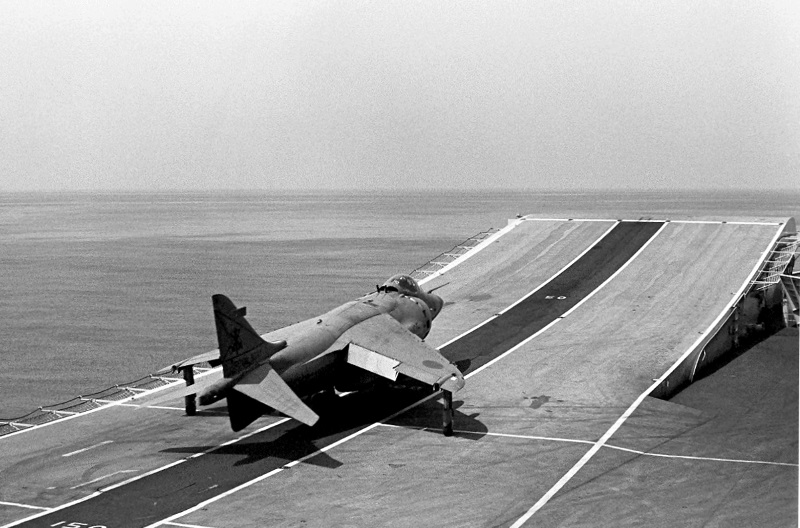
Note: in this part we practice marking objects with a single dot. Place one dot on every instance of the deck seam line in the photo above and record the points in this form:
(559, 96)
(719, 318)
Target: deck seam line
(621, 420)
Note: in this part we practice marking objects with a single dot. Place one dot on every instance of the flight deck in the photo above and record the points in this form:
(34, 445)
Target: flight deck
(591, 350)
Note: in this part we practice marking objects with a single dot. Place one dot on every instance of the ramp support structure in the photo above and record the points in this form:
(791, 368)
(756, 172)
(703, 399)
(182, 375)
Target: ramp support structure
(447, 413)
(190, 400)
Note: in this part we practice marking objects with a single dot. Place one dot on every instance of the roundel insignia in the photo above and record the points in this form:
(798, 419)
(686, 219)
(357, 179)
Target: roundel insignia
(432, 364)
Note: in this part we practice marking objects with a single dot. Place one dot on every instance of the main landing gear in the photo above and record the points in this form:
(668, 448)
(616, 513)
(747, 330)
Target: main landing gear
(190, 400)
(447, 413)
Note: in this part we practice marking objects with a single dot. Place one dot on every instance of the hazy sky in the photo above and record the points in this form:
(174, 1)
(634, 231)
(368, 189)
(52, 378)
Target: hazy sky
(353, 94)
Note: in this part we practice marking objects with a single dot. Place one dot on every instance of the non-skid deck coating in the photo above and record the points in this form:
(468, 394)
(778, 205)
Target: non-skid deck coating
(571, 382)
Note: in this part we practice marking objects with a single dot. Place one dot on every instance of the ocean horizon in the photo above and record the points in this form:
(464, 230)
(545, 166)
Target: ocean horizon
(101, 288)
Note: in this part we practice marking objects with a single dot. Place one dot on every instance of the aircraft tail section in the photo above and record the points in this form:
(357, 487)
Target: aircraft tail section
(240, 347)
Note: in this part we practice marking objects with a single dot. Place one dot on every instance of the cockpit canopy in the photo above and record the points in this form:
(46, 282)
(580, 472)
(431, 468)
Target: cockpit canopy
(403, 284)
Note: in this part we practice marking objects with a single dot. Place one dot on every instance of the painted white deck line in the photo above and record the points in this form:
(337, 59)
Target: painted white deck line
(26, 506)
(562, 316)
(591, 294)
(98, 479)
(607, 446)
(186, 525)
(474, 251)
(559, 272)
(87, 448)
(707, 334)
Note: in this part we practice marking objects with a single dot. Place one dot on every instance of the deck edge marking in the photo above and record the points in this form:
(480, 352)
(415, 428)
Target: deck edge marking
(472, 252)
(621, 420)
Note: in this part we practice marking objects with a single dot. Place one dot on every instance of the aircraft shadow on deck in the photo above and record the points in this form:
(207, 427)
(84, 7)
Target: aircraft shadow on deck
(340, 416)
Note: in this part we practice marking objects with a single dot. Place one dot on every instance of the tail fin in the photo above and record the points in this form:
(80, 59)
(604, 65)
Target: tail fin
(240, 347)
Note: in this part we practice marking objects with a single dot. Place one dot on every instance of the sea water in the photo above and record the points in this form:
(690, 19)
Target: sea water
(103, 288)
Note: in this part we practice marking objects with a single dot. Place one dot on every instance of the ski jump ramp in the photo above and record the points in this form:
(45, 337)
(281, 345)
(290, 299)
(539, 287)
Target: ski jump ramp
(572, 335)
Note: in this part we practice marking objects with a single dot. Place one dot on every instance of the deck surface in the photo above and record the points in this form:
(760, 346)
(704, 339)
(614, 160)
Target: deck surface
(560, 328)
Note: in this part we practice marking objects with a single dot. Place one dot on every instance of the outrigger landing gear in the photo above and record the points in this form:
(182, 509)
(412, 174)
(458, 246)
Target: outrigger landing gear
(190, 400)
(447, 413)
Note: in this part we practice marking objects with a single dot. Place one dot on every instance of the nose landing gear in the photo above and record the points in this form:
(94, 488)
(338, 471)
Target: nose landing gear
(447, 413)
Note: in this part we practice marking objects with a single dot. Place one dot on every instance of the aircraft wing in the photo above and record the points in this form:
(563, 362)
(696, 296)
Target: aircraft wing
(383, 346)
(263, 384)
(187, 390)
(194, 360)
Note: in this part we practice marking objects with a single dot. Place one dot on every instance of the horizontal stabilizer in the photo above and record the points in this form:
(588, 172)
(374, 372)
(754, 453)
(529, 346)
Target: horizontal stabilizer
(266, 386)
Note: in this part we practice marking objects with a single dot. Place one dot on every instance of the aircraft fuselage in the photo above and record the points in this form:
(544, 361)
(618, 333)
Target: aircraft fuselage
(314, 358)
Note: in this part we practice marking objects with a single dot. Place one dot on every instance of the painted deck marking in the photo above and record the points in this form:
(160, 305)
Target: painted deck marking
(98, 479)
(18, 505)
(88, 448)
(607, 446)
(521, 299)
(186, 525)
(621, 420)
(536, 313)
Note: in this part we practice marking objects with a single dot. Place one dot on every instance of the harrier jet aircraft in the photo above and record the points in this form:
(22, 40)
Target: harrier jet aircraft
(379, 334)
